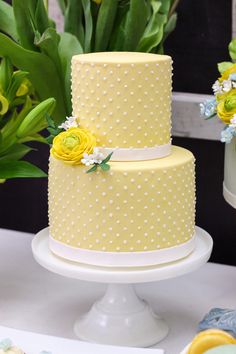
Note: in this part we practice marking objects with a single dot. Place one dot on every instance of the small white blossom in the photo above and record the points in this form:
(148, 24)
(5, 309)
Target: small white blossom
(70, 122)
(95, 158)
(233, 121)
(227, 85)
(227, 134)
(217, 88)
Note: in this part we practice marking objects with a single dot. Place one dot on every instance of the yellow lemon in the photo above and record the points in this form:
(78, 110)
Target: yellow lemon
(209, 339)
(72, 144)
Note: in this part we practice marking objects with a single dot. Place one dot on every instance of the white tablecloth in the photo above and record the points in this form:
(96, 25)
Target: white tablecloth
(32, 298)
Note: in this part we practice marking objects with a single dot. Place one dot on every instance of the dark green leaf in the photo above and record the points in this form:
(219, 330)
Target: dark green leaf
(24, 24)
(62, 4)
(68, 46)
(50, 121)
(42, 73)
(170, 26)
(19, 169)
(105, 166)
(6, 71)
(41, 17)
(107, 158)
(165, 6)
(118, 34)
(7, 20)
(105, 23)
(94, 168)
(88, 25)
(34, 137)
(135, 24)
(73, 22)
(15, 153)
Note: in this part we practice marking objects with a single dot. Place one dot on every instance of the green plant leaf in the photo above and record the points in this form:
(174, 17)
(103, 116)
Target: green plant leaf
(232, 49)
(153, 33)
(6, 72)
(62, 5)
(19, 169)
(105, 166)
(16, 152)
(16, 81)
(118, 34)
(94, 168)
(42, 73)
(73, 22)
(105, 24)
(165, 6)
(88, 25)
(68, 46)
(170, 26)
(24, 25)
(34, 137)
(223, 66)
(107, 158)
(41, 17)
(7, 20)
(135, 24)
(35, 120)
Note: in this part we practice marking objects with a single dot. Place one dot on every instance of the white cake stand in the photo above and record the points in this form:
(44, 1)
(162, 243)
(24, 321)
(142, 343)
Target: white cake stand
(121, 317)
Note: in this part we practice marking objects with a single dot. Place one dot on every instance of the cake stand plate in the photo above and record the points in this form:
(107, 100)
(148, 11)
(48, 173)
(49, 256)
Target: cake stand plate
(121, 317)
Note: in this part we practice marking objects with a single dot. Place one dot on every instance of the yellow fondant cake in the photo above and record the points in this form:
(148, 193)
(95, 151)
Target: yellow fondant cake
(140, 209)
(124, 99)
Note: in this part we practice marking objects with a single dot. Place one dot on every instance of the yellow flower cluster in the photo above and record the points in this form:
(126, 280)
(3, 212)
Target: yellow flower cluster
(226, 102)
(72, 144)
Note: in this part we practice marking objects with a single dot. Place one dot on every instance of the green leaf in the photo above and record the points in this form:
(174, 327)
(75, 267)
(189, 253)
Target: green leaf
(88, 25)
(94, 168)
(6, 71)
(105, 166)
(73, 22)
(17, 79)
(232, 49)
(41, 17)
(15, 153)
(7, 20)
(42, 73)
(34, 137)
(223, 66)
(107, 158)
(153, 33)
(68, 46)
(24, 25)
(118, 34)
(62, 5)
(50, 121)
(135, 24)
(105, 24)
(170, 26)
(19, 169)
(48, 43)
(35, 120)
(165, 6)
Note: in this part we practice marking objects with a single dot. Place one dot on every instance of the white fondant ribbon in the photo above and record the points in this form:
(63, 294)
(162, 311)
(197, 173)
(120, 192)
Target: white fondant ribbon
(137, 154)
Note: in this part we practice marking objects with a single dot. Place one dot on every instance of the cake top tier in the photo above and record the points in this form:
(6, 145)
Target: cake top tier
(123, 98)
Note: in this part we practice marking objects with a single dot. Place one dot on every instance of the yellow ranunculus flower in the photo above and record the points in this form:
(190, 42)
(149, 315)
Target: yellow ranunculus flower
(226, 73)
(226, 107)
(4, 105)
(70, 145)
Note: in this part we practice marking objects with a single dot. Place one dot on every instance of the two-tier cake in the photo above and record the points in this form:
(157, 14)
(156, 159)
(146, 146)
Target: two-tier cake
(138, 209)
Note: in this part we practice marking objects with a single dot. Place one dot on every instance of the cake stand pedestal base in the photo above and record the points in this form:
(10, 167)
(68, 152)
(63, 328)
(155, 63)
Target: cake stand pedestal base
(121, 317)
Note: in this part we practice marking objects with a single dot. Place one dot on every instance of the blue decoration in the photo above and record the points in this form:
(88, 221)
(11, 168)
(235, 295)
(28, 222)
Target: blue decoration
(224, 319)
(232, 77)
(5, 344)
(208, 108)
(227, 134)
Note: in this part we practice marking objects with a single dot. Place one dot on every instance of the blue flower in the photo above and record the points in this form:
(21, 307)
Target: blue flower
(208, 108)
(227, 134)
(5, 344)
(232, 77)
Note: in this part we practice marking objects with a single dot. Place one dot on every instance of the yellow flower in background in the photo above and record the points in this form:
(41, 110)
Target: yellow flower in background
(70, 145)
(4, 105)
(226, 108)
(226, 73)
(97, 1)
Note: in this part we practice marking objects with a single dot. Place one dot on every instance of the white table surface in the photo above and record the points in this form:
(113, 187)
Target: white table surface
(33, 299)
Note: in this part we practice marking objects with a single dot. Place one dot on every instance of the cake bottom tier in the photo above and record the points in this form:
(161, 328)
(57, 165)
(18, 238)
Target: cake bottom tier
(138, 213)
